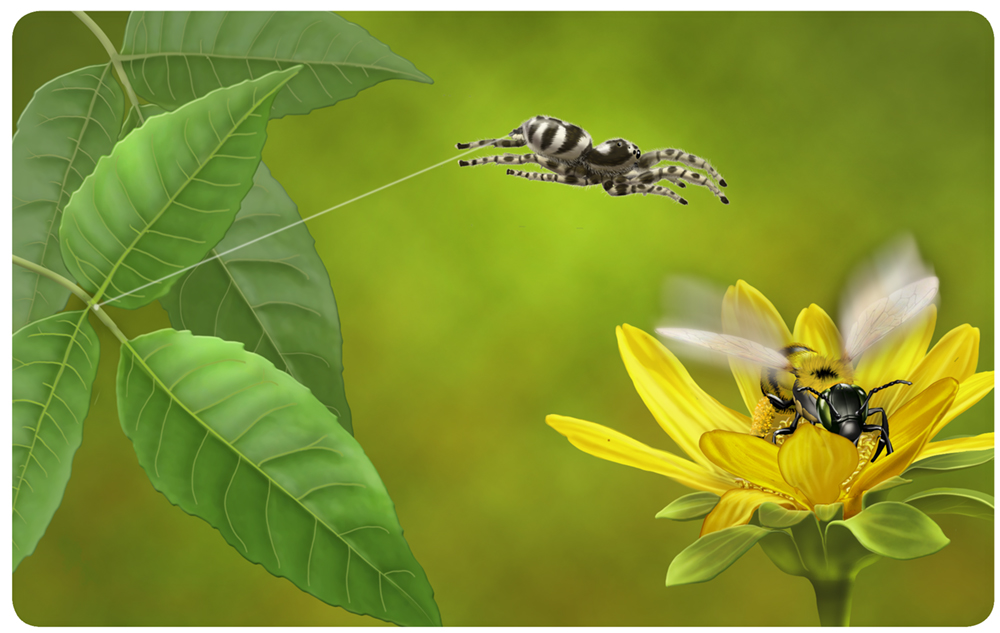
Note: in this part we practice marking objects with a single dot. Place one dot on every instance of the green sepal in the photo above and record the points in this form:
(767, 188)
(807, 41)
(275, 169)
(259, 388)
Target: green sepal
(808, 536)
(894, 530)
(829, 512)
(781, 549)
(949, 461)
(971, 503)
(880, 493)
(696, 505)
(775, 516)
(713, 553)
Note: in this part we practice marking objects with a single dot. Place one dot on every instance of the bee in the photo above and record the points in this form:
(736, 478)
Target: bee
(797, 380)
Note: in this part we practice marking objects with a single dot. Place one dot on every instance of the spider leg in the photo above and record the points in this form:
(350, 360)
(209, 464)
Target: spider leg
(568, 179)
(676, 174)
(515, 140)
(624, 187)
(651, 158)
(517, 159)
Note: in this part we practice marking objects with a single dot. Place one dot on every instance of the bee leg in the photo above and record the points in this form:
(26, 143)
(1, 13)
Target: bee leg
(778, 403)
(883, 430)
(788, 430)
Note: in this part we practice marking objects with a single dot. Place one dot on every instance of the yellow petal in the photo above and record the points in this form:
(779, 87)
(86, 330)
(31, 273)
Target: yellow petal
(747, 457)
(815, 329)
(954, 356)
(958, 445)
(895, 356)
(747, 313)
(679, 405)
(970, 391)
(613, 446)
(919, 418)
(816, 462)
(737, 506)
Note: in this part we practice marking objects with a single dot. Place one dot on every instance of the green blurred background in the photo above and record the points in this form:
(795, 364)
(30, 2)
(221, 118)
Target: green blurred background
(473, 304)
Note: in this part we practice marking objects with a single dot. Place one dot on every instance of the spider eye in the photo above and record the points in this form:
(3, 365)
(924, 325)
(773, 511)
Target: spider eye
(619, 145)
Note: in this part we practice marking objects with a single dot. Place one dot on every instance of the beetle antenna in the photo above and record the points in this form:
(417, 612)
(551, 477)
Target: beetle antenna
(819, 395)
(888, 384)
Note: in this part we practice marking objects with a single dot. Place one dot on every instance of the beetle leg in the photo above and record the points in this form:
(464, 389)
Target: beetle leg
(883, 430)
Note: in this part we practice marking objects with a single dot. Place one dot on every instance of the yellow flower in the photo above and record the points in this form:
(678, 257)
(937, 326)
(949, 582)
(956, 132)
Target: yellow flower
(812, 466)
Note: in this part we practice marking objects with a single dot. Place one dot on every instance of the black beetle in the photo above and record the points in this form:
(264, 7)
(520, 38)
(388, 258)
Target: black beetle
(842, 409)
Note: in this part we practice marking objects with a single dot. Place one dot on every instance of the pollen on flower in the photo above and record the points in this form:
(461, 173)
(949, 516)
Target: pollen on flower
(866, 448)
(763, 416)
(746, 485)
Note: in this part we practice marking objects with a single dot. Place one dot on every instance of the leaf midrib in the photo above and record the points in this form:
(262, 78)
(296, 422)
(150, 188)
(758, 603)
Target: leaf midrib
(170, 201)
(240, 456)
(278, 60)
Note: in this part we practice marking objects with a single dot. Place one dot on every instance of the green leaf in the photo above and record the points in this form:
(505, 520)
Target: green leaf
(173, 57)
(879, 493)
(712, 554)
(230, 439)
(772, 515)
(167, 193)
(273, 296)
(894, 530)
(970, 503)
(689, 507)
(950, 461)
(55, 362)
(69, 124)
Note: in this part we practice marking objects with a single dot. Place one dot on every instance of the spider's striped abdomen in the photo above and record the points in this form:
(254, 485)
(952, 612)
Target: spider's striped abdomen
(551, 137)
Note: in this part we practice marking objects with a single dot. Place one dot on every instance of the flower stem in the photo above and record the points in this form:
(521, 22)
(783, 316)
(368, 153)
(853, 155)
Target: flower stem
(833, 600)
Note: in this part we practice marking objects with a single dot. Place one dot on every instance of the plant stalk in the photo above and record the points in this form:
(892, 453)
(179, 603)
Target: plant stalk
(833, 601)
(115, 59)
(75, 289)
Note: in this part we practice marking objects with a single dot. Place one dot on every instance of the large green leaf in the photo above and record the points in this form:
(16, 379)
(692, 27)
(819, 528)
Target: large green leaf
(55, 362)
(229, 438)
(895, 530)
(173, 57)
(696, 505)
(713, 553)
(954, 501)
(67, 126)
(274, 296)
(167, 193)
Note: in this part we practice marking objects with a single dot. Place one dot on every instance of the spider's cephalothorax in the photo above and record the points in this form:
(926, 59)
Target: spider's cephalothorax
(618, 165)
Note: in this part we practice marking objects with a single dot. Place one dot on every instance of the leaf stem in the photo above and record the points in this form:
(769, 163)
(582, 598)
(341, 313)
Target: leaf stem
(833, 600)
(115, 59)
(75, 289)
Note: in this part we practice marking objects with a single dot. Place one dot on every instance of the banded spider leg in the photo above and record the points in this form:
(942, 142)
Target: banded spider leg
(563, 176)
(622, 187)
(680, 156)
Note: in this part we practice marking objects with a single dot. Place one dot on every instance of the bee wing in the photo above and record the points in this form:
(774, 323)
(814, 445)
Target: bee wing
(730, 345)
(887, 314)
